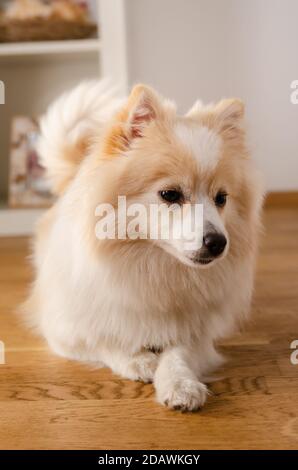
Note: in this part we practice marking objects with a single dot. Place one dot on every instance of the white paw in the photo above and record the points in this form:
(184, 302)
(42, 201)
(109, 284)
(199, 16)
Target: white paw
(184, 395)
(143, 366)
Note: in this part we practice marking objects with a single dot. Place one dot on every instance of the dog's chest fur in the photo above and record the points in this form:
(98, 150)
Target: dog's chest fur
(142, 303)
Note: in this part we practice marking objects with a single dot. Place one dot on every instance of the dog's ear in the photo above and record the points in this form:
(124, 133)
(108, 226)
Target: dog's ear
(196, 108)
(225, 117)
(228, 114)
(142, 107)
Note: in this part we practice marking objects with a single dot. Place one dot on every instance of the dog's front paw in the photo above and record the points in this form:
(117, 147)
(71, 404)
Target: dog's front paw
(143, 366)
(184, 395)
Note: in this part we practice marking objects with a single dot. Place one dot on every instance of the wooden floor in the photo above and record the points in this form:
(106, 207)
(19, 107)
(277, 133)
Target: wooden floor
(48, 402)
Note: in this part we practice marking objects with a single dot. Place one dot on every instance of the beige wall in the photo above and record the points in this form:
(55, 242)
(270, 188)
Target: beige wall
(208, 49)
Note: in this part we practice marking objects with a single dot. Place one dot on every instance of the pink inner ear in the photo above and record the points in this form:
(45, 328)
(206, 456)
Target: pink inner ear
(143, 114)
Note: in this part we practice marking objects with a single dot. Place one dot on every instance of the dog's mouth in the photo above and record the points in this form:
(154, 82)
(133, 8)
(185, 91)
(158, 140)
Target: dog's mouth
(205, 260)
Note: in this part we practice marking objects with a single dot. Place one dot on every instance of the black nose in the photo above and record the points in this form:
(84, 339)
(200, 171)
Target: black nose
(215, 243)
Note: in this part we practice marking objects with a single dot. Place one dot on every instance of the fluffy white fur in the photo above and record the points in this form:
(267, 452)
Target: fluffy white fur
(117, 305)
(201, 142)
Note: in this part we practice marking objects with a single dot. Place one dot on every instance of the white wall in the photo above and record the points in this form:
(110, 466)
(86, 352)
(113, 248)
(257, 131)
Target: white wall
(208, 49)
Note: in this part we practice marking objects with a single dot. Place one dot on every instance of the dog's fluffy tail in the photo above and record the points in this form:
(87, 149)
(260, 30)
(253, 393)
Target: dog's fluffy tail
(70, 124)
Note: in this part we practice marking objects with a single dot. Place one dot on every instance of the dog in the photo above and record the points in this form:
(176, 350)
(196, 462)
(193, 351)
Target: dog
(150, 310)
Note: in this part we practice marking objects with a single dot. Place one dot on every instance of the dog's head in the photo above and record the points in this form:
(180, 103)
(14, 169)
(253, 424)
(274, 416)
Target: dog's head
(160, 158)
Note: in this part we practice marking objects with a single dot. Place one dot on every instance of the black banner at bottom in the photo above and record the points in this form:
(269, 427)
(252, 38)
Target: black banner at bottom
(133, 458)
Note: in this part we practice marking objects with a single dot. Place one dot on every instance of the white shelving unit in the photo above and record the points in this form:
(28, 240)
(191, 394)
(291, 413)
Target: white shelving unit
(35, 73)
(18, 222)
(28, 49)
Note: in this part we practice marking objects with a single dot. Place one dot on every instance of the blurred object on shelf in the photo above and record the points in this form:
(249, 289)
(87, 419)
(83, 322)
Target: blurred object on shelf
(45, 20)
(28, 186)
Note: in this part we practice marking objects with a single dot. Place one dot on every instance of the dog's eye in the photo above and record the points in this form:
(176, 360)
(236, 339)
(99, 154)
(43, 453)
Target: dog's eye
(220, 199)
(171, 195)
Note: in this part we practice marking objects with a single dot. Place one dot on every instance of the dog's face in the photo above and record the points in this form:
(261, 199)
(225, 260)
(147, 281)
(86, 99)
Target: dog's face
(178, 162)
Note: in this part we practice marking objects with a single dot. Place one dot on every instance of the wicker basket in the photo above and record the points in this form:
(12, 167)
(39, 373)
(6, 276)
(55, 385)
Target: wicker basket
(41, 29)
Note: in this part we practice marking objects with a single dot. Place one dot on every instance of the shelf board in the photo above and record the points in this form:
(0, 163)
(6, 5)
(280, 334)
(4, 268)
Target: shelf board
(49, 47)
(18, 222)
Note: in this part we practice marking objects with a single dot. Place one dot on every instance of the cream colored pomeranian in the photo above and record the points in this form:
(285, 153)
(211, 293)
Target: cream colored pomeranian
(150, 309)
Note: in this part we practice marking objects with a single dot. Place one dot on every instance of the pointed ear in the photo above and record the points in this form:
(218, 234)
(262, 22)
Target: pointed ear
(195, 109)
(142, 107)
(229, 114)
